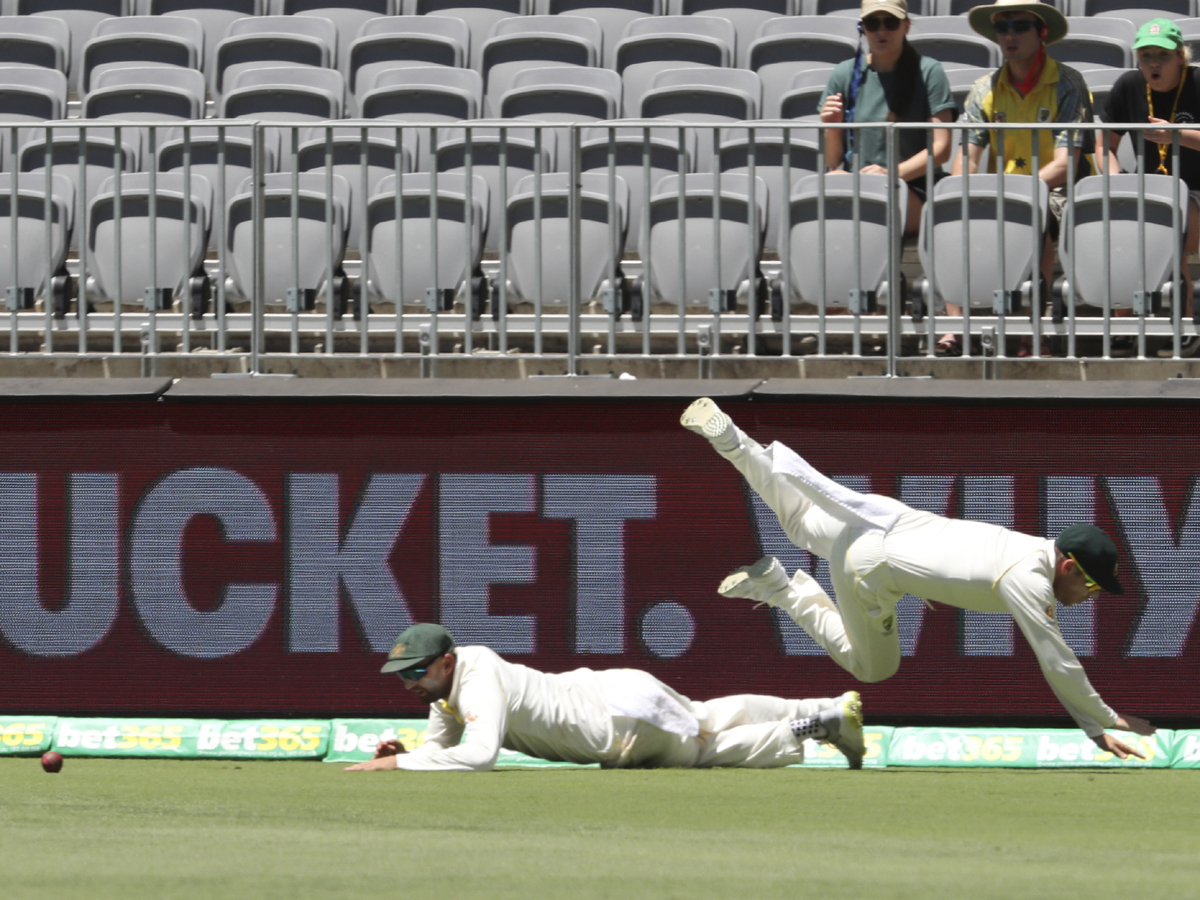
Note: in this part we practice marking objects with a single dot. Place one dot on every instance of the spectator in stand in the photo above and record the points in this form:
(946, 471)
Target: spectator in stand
(1029, 87)
(892, 83)
(1162, 90)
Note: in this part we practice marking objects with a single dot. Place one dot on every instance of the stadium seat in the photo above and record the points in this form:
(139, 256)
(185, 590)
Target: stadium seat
(345, 146)
(39, 265)
(842, 276)
(642, 157)
(768, 156)
(803, 99)
(274, 40)
(704, 277)
(286, 93)
(348, 16)
(520, 43)
(746, 17)
(786, 46)
(1138, 15)
(481, 17)
(1096, 41)
(124, 267)
(614, 17)
(80, 17)
(28, 94)
(654, 43)
(941, 25)
(145, 93)
(142, 41)
(563, 94)
(401, 262)
(943, 231)
(1191, 34)
(1084, 247)
(35, 41)
(296, 260)
(424, 94)
(601, 245)
(970, 50)
(397, 41)
(214, 16)
(850, 9)
(703, 94)
(521, 157)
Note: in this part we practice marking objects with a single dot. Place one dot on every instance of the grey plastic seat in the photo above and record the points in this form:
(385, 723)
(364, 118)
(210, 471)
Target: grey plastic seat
(520, 157)
(128, 273)
(563, 94)
(142, 41)
(613, 16)
(481, 17)
(803, 98)
(942, 228)
(768, 156)
(779, 54)
(699, 94)
(28, 94)
(1138, 15)
(971, 50)
(35, 41)
(286, 93)
(146, 93)
(837, 26)
(348, 17)
(1096, 41)
(275, 40)
(214, 16)
(841, 276)
(1190, 29)
(424, 94)
(203, 149)
(1084, 247)
(850, 9)
(630, 154)
(939, 24)
(747, 18)
(349, 161)
(39, 265)
(703, 277)
(654, 43)
(521, 43)
(394, 41)
(403, 268)
(601, 246)
(295, 261)
(80, 17)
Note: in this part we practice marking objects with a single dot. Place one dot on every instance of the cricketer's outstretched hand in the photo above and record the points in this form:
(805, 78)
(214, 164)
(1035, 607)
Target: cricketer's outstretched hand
(1118, 747)
(384, 751)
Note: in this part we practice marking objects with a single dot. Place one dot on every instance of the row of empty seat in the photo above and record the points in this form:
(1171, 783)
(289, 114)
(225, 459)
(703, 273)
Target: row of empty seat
(424, 240)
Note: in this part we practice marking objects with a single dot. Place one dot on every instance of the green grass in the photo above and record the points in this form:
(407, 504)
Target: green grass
(166, 829)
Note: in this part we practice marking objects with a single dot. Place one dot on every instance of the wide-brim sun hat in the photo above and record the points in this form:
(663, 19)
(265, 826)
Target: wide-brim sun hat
(980, 18)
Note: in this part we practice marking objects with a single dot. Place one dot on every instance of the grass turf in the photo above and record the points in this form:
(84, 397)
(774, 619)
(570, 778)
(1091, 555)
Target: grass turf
(169, 829)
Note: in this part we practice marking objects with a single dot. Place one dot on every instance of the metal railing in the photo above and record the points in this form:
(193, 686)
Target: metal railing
(213, 305)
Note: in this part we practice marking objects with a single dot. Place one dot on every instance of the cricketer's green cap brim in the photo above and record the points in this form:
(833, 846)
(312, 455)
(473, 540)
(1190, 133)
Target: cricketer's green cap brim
(1159, 33)
(1094, 552)
(421, 641)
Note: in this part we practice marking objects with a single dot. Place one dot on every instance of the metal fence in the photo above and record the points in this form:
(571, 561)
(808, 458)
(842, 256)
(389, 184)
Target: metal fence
(248, 237)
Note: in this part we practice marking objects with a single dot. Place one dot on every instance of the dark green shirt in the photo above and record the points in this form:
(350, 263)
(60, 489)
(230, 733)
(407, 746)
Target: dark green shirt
(930, 97)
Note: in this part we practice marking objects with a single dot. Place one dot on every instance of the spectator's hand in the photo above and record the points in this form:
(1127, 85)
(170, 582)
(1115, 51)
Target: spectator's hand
(1134, 724)
(873, 169)
(389, 748)
(1158, 135)
(373, 765)
(832, 111)
(1117, 748)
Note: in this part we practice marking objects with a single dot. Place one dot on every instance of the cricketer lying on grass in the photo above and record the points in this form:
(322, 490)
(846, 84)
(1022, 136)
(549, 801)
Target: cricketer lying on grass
(619, 718)
(879, 549)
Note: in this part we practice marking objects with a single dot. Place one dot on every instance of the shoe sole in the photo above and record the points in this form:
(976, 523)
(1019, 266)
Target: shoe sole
(744, 574)
(698, 414)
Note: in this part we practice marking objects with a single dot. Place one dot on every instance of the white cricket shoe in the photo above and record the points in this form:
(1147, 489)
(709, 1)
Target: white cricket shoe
(761, 581)
(705, 418)
(844, 727)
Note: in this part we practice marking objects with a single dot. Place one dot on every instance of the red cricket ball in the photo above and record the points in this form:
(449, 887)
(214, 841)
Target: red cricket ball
(51, 761)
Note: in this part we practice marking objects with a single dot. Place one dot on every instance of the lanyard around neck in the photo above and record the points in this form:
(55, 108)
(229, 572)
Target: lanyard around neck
(1163, 148)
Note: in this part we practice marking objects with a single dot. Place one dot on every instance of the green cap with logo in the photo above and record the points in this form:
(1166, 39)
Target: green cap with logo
(1095, 553)
(1159, 33)
(421, 641)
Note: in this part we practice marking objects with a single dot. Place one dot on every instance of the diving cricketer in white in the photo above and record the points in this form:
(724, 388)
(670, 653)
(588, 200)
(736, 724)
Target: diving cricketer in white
(619, 718)
(879, 549)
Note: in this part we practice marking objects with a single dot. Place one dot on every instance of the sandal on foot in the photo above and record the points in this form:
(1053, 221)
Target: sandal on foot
(950, 345)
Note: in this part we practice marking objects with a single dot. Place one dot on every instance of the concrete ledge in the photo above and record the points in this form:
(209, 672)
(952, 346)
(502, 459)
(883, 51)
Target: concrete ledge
(41, 389)
(1023, 393)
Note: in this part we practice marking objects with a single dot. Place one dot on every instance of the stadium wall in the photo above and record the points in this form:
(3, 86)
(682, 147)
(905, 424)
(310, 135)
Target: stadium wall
(250, 547)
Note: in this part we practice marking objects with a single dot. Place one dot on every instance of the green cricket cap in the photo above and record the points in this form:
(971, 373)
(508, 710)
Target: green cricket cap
(1094, 551)
(421, 641)
(1159, 33)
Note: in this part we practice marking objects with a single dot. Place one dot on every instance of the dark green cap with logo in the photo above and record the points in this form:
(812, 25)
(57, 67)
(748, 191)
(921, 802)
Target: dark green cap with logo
(421, 641)
(1095, 553)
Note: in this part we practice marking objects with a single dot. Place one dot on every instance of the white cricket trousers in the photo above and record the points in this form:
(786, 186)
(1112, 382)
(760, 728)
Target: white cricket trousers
(746, 731)
(859, 631)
